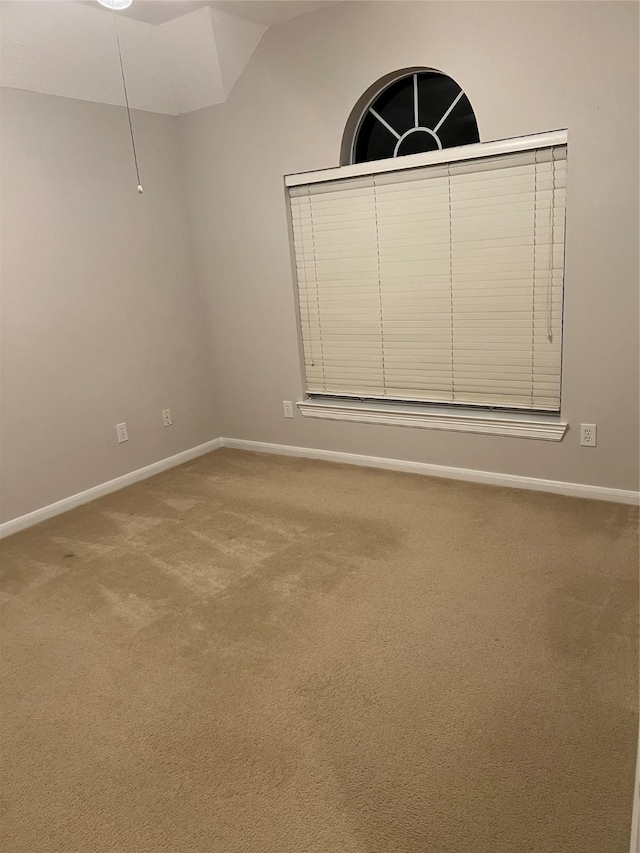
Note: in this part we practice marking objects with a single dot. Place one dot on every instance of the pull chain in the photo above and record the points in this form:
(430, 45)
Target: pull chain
(126, 100)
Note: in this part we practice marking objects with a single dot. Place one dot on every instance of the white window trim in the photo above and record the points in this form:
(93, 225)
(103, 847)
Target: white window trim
(476, 151)
(514, 425)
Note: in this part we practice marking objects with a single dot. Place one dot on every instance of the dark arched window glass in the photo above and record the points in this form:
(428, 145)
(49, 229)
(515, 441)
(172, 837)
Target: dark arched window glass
(420, 111)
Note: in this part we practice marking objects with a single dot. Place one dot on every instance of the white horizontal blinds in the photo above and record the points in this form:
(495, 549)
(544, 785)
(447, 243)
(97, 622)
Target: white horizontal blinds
(507, 238)
(414, 230)
(551, 194)
(336, 251)
(439, 283)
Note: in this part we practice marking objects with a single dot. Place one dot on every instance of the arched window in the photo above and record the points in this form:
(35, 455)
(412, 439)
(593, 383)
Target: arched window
(410, 112)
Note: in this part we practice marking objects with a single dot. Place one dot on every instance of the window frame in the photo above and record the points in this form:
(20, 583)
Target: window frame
(455, 417)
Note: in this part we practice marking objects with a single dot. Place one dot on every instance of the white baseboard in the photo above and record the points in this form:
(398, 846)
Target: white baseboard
(24, 521)
(576, 490)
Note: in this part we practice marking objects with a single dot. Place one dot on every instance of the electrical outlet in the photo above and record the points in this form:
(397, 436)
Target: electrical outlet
(588, 435)
(287, 407)
(121, 432)
(166, 417)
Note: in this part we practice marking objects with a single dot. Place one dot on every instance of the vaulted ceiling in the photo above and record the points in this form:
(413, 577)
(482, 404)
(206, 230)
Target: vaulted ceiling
(179, 55)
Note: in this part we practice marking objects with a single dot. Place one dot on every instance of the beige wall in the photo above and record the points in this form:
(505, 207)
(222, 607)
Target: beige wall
(527, 67)
(101, 319)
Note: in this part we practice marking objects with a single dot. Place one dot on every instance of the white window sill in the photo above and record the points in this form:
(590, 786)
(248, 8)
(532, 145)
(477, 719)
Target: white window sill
(515, 425)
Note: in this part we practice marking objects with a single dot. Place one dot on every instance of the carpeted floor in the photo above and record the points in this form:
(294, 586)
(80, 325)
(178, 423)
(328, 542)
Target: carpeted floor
(255, 654)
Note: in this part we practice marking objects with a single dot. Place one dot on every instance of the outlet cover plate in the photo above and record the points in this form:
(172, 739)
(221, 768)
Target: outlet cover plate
(588, 435)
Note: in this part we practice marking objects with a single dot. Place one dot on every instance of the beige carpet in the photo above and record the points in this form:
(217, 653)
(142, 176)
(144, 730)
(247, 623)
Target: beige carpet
(254, 654)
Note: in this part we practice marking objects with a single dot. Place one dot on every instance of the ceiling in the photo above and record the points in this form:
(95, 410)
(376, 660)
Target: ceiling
(265, 12)
(179, 55)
